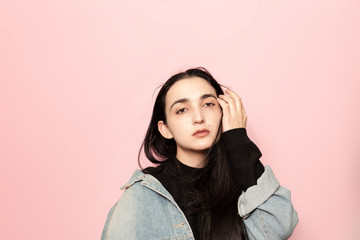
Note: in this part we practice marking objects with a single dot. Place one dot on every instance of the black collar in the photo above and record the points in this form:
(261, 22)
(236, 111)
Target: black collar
(177, 168)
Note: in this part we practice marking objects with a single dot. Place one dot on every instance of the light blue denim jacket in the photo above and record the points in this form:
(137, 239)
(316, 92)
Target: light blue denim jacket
(146, 210)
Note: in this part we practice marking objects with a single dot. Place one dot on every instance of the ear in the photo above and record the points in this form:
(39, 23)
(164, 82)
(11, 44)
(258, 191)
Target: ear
(164, 130)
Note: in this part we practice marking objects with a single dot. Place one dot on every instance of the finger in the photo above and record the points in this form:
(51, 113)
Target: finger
(230, 101)
(225, 106)
(243, 108)
(243, 112)
(232, 93)
(236, 98)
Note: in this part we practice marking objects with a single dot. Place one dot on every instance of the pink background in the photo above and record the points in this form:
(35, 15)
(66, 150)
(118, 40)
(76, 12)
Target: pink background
(76, 93)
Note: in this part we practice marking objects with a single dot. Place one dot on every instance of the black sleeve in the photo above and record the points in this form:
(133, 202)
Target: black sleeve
(243, 156)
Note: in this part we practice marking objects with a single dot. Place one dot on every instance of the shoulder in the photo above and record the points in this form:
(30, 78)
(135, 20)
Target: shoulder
(143, 196)
(129, 209)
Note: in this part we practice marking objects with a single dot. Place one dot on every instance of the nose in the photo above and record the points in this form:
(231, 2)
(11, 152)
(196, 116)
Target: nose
(198, 117)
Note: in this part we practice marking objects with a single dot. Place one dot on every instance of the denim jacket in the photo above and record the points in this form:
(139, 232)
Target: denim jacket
(146, 210)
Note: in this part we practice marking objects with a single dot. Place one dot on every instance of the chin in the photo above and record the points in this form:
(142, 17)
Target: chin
(203, 147)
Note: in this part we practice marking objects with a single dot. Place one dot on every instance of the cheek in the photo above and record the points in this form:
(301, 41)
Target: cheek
(177, 125)
(217, 115)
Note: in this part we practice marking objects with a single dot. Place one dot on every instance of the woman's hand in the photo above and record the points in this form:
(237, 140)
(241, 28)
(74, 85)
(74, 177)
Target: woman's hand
(234, 115)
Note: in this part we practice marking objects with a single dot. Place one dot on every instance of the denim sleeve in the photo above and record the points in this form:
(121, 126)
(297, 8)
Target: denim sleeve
(267, 210)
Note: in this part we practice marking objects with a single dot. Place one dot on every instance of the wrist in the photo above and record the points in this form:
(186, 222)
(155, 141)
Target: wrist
(235, 136)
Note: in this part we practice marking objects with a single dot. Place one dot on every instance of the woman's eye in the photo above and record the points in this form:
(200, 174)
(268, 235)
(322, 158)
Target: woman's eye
(209, 104)
(181, 110)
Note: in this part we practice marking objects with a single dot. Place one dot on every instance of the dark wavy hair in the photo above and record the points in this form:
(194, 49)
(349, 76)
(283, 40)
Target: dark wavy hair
(213, 191)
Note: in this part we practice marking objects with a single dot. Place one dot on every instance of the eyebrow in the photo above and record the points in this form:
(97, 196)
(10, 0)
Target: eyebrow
(206, 95)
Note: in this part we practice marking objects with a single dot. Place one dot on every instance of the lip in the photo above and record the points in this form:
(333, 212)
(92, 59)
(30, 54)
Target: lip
(201, 133)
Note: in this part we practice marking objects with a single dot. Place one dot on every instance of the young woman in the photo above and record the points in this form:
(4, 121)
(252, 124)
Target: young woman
(208, 182)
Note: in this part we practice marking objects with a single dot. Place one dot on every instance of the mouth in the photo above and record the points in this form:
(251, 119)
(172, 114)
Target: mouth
(201, 133)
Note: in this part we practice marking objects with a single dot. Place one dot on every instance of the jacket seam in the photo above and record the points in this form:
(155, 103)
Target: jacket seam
(263, 225)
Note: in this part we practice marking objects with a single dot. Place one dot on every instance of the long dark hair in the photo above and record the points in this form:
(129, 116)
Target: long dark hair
(213, 191)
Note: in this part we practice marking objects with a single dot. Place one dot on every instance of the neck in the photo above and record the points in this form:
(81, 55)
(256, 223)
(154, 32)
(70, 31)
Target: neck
(194, 159)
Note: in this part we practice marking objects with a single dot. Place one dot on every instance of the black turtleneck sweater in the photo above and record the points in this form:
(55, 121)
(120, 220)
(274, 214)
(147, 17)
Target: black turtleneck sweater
(243, 158)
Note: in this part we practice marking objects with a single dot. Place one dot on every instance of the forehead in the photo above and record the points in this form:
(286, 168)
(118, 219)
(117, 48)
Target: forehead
(190, 88)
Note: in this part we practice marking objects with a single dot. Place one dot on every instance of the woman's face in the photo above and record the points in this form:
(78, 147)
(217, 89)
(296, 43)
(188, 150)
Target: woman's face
(191, 106)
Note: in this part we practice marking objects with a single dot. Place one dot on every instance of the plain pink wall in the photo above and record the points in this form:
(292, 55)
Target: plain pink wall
(76, 86)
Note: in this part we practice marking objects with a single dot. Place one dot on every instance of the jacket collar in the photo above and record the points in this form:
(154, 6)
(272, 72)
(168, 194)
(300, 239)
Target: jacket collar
(138, 175)
(149, 181)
